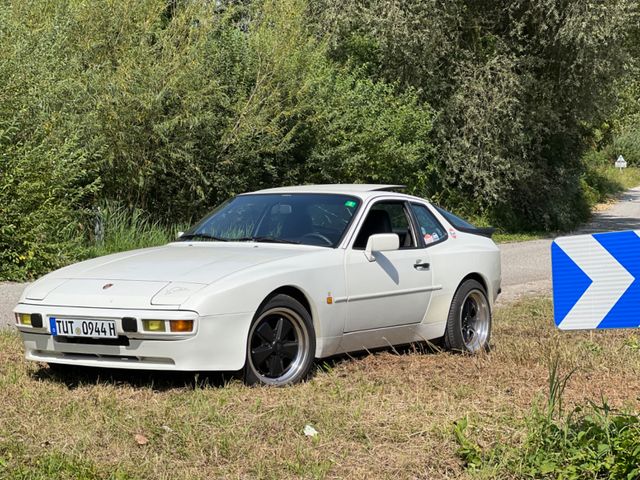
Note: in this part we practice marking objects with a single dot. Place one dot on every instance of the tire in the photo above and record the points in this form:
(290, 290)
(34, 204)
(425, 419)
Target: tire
(281, 344)
(469, 321)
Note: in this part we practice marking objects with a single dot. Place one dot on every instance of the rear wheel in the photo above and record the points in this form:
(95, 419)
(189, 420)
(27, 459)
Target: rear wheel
(469, 322)
(281, 343)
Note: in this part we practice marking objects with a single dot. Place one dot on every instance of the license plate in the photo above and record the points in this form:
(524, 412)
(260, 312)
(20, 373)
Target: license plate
(82, 328)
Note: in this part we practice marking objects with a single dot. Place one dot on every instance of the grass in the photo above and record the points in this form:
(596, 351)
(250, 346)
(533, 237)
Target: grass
(510, 237)
(616, 180)
(124, 229)
(382, 415)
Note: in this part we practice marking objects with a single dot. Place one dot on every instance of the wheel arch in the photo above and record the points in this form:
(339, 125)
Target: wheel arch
(489, 288)
(478, 278)
(295, 293)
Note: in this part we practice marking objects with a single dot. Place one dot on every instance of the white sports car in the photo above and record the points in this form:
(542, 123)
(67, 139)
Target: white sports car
(270, 281)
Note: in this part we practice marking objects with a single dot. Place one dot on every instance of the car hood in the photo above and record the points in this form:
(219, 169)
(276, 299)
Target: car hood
(165, 275)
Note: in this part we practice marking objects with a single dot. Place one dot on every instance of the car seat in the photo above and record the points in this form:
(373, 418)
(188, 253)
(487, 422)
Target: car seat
(377, 221)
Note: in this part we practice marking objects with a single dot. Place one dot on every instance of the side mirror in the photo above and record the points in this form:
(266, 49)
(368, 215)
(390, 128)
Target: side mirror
(381, 242)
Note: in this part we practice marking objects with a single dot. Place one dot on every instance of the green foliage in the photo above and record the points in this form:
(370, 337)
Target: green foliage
(366, 133)
(171, 107)
(518, 86)
(470, 452)
(590, 441)
(625, 143)
(43, 188)
(600, 183)
(171, 110)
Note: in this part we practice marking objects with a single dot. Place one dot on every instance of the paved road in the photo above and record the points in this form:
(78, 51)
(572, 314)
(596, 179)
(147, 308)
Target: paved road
(9, 296)
(526, 266)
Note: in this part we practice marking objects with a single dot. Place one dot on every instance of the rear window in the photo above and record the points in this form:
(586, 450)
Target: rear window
(454, 220)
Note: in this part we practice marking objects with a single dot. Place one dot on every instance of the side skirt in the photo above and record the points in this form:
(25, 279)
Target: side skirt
(386, 337)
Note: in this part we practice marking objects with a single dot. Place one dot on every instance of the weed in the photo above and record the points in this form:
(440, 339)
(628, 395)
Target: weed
(633, 344)
(469, 451)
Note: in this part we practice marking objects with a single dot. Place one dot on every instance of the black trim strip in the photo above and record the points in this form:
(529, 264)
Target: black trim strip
(482, 231)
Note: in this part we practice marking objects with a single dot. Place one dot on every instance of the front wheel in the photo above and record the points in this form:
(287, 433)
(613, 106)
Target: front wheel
(281, 343)
(469, 322)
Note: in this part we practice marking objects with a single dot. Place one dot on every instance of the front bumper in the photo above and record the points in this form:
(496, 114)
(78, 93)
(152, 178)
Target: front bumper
(218, 342)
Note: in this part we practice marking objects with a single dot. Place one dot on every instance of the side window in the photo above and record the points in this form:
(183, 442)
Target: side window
(386, 217)
(430, 229)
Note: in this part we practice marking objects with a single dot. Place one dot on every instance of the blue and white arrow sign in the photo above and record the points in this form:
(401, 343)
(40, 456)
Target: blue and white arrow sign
(596, 280)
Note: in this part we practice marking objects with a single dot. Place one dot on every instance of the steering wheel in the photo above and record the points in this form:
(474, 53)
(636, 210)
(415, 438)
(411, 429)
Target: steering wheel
(318, 235)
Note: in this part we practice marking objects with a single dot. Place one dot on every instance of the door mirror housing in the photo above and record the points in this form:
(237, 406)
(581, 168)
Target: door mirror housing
(381, 242)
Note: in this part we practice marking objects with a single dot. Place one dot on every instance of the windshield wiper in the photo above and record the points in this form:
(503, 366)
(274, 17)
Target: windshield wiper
(266, 239)
(203, 236)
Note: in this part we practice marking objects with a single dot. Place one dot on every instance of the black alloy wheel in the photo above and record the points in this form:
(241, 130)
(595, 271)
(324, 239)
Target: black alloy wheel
(281, 343)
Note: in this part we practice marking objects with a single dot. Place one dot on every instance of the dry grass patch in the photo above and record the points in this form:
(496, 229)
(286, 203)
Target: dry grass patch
(383, 415)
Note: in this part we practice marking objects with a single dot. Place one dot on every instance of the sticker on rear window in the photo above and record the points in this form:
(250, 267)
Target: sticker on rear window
(350, 203)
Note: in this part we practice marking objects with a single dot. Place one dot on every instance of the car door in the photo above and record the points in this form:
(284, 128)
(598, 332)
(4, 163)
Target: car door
(395, 289)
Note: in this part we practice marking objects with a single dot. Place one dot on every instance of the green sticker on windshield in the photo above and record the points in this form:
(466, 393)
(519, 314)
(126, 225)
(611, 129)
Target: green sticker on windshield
(350, 203)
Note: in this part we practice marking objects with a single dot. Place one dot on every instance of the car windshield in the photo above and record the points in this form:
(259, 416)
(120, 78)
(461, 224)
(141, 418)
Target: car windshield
(308, 219)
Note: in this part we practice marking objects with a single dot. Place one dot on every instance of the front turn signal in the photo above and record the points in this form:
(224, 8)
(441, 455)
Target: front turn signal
(181, 325)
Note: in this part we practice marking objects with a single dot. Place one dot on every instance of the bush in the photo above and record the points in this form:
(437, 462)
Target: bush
(366, 132)
(518, 89)
(626, 144)
(42, 192)
(172, 109)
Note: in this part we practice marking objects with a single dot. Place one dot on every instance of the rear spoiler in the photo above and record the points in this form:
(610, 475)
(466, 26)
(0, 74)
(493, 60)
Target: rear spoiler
(482, 231)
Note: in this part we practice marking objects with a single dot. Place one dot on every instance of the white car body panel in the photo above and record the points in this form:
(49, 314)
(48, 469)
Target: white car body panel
(354, 304)
(379, 297)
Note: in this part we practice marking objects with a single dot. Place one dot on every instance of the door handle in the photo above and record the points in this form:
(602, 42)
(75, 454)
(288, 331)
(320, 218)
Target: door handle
(421, 266)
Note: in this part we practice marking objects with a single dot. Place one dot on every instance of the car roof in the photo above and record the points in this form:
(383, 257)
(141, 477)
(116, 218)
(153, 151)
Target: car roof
(344, 188)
